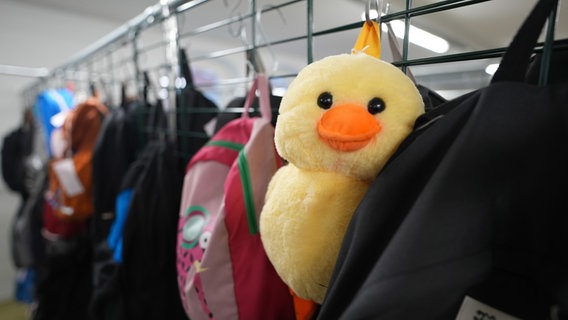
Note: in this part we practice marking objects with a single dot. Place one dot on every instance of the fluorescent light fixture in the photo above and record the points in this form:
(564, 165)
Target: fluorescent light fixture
(416, 35)
(490, 69)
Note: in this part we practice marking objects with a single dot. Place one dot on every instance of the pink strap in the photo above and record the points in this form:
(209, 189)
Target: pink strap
(260, 83)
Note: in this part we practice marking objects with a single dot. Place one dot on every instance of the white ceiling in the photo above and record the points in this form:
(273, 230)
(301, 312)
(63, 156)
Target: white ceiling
(481, 26)
(477, 26)
(120, 10)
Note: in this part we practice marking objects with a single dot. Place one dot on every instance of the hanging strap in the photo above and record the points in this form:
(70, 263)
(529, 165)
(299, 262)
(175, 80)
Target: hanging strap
(395, 50)
(146, 86)
(516, 60)
(185, 68)
(123, 94)
(260, 83)
(369, 40)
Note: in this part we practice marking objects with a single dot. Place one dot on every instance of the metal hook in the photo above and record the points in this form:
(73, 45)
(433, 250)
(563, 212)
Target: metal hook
(234, 13)
(387, 7)
(250, 67)
(393, 44)
(378, 5)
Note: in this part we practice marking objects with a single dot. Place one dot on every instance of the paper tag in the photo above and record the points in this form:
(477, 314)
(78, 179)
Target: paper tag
(472, 309)
(209, 127)
(58, 119)
(58, 143)
(67, 176)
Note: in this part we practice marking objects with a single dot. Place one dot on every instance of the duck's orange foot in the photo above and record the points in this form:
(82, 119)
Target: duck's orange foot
(305, 309)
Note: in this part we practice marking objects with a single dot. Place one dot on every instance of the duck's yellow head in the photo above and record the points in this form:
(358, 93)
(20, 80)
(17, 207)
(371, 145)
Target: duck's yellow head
(347, 114)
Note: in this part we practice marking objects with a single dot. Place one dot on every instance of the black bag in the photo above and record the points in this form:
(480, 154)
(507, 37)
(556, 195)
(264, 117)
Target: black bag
(195, 110)
(110, 293)
(149, 239)
(115, 149)
(471, 211)
(64, 281)
(147, 234)
(27, 245)
(16, 147)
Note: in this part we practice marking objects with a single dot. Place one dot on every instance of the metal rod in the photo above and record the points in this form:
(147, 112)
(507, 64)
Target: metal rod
(136, 60)
(23, 71)
(214, 25)
(406, 39)
(181, 6)
(476, 55)
(171, 39)
(547, 50)
(441, 6)
(310, 32)
(253, 52)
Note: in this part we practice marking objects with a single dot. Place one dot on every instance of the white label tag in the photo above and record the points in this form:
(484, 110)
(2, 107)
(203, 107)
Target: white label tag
(209, 127)
(65, 172)
(472, 309)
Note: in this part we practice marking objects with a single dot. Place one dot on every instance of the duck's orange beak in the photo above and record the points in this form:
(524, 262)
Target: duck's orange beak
(347, 127)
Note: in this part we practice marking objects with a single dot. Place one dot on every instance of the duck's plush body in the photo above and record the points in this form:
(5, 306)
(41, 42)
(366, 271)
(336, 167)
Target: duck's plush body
(339, 122)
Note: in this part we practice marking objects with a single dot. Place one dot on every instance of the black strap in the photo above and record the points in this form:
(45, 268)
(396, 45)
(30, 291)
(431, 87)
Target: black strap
(185, 69)
(146, 87)
(516, 59)
(123, 94)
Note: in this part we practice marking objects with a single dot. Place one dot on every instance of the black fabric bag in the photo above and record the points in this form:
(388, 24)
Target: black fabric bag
(195, 110)
(27, 245)
(473, 204)
(148, 271)
(64, 282)
(16, 147)
(108, 301)
(116, 148)
(144, 285)
(131, 289)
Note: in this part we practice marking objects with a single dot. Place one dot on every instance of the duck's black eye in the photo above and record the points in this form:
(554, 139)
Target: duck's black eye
(376, 105)
(325, 100)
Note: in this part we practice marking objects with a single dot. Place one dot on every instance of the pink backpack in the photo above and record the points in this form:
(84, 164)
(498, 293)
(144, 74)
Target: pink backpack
(223, 271)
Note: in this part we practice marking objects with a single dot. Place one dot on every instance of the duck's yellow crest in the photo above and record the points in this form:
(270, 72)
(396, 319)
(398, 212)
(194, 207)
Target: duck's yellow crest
(369, 40)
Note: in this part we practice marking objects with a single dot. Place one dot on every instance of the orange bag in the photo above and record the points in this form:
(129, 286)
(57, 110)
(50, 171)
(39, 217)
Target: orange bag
(70, 177)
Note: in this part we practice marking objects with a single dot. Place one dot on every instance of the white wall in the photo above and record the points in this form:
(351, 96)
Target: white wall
(33, 36)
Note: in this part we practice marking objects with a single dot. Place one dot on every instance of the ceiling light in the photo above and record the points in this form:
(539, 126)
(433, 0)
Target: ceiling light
(416, 35)
(490, 69)
(420, 37)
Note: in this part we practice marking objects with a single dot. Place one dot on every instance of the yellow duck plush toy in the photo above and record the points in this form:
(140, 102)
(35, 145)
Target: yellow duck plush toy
(340, 120)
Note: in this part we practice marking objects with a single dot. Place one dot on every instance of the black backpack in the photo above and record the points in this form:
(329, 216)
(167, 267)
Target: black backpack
(16, 147)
